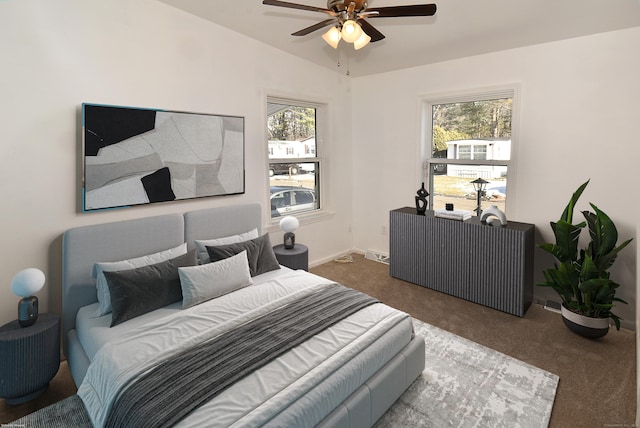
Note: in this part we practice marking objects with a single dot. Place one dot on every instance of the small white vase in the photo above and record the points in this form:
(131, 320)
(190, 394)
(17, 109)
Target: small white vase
(491, 212)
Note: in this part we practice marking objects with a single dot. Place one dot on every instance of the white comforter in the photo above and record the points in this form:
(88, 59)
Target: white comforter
(327, 368)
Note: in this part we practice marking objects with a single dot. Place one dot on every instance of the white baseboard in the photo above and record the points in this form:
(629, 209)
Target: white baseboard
(331, 258)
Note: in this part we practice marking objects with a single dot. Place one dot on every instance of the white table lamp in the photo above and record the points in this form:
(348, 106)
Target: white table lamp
(25, 284)
(289, 225)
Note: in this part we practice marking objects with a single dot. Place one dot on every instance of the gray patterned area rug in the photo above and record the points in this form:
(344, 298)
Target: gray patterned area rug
(66, 413)
(465, 384)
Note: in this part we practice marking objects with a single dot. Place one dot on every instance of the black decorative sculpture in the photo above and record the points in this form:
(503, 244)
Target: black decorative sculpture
(421, 200)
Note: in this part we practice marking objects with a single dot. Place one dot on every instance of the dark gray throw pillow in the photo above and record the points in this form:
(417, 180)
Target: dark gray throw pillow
(137, 291)
(259, 254)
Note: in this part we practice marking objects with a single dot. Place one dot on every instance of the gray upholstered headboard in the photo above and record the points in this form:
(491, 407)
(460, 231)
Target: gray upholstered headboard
(83, 246)
(217, 222)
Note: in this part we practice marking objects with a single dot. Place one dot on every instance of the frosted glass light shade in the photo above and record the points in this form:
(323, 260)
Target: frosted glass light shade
(289, 224)
(332, 37)
(362, 41)
(351, 31)
(27, 282)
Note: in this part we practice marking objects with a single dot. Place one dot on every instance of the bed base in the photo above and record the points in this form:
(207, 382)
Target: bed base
(369, 402)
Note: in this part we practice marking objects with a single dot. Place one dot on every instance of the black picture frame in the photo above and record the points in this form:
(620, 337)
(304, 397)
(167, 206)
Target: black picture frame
(135, 156)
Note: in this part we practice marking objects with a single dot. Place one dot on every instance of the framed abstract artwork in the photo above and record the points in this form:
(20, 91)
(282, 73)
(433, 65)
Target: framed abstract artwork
(134, 156)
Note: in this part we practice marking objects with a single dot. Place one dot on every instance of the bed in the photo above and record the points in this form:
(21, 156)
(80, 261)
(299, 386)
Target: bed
(340, 366)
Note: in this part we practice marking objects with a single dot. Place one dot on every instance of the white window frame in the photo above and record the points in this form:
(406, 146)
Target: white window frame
(321, 130)
(428, 101)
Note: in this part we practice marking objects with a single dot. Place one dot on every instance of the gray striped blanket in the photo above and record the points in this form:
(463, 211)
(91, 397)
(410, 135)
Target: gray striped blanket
(176, 387)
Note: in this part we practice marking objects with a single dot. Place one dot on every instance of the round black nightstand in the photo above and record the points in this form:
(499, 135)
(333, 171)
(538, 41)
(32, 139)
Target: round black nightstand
(30, 358)
(294, 258)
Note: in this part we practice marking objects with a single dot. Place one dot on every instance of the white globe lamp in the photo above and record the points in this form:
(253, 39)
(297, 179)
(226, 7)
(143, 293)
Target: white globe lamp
(25, 284)
(289, 225)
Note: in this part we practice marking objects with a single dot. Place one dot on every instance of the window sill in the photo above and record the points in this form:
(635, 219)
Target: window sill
(306, 218)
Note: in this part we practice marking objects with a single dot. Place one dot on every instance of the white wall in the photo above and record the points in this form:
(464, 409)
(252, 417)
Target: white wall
(58, 54)
(579, 113)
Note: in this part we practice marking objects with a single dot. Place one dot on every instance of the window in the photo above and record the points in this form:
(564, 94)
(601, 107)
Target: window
(479, 152)
(471, 151)
(294, 168)
(468, 137)
(464, 151)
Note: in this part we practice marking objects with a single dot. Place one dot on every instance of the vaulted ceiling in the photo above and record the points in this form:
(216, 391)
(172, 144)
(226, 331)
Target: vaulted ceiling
(460, 28)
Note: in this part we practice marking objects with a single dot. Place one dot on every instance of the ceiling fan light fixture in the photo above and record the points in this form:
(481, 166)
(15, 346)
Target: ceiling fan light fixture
(332, 37)
(351, 31)
(347, 18)
(362, 41)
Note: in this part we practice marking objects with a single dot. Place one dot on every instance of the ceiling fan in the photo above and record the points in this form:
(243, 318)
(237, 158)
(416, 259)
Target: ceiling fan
(348, 19)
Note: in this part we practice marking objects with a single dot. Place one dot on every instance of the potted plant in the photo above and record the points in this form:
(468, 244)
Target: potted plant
(581, 275)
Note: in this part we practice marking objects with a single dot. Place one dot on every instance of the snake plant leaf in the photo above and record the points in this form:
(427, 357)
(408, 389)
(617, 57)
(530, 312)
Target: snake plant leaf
(616, 320)
(588, 269)
(592, 286)
(553, 249)
(603, 232)
(567, 214)
(599, 311)
(563, 280)
(603, 306)
(606, 261)
(566, 247)
(605, 294)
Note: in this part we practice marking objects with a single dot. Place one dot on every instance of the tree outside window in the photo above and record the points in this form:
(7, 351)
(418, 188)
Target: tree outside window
(469, 138)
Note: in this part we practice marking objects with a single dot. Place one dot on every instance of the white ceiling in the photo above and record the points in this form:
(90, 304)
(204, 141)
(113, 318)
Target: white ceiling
(460, 28)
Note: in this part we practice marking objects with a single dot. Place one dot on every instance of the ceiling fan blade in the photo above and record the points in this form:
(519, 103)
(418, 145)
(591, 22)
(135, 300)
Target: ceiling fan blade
(395, 11)
(371, 31)
(298, 6)
(314, 27)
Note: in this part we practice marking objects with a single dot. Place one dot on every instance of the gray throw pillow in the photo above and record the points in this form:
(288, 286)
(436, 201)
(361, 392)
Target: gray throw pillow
(259, 254)
(104, 299)
(201, 244)
(137, 291)
(204, 282)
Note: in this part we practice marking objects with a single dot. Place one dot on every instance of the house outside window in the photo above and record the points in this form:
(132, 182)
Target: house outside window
(294, 167)
(467, 137)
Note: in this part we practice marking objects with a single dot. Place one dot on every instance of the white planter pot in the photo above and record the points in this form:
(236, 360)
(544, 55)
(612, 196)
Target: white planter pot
(585, 326)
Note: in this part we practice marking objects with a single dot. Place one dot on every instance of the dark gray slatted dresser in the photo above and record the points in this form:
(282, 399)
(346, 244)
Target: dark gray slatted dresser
(489, 265)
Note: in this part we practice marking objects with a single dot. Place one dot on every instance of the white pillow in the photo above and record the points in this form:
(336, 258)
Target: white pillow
(104, 298)
(201, 245)
(205, 282)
